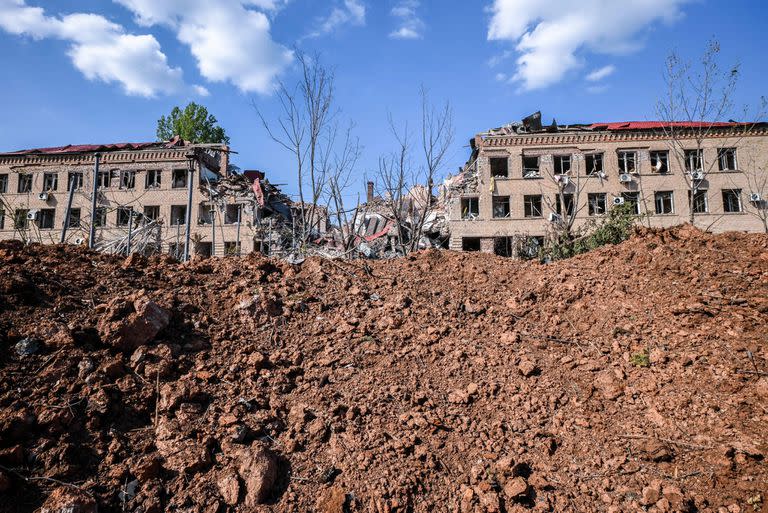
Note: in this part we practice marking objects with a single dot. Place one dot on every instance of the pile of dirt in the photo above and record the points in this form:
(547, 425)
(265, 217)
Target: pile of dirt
(633, 378)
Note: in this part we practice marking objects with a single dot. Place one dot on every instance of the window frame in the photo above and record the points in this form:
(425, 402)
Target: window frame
(529, 212)
(175, 174)
(50, 216)
(693, 198)
(25, 184)
(504, 200)
(740, 204)
(100, 180)
(228, 218)
(157, 182)
(659, 153)
(657, 196)
(50, 182)
(592, 207)
(127, 180)
(569, 199)
(100, 217)
(148, 215)
(74, 214)
(596, 157)
(77, 177)
(2, 219)
(532, 172)
(183, 219)
(558, 162)
(491, 161)
(123, 217)
(635, 201)
(623, 161)
(687, 157)
(722, 154)
(4, 183)
(20, 220)
(468, 213)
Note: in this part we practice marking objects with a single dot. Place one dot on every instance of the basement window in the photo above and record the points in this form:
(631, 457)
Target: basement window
(232, 248)
(660, 162)
(562, 164)
(594, 163)
(596, 203)
(699, 203)
(470, 208)
(25, 183)
(665, 202)
(726, 158)
(176, 250)
(179, 178)
(732, 200)
(178, 215)
(470, 243)
(499, 167)
(627, 162)
(204, 249)
(501, 207)
(531, 167)
(532, 205)
(153, 179)
(693, 160)
(50, 182)
(127, 179)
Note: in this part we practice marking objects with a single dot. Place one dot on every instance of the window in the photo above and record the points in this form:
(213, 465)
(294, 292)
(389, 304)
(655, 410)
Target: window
(699, 203)
(732, 200)
(532, 206)
(20, 220)
(25, 183)
(693, 160)
(660, 161)
(233, 214)
(124, 215)
(232, 248)
(176, 250)
(45, 218)
(153, 179)
(127, 179)
(594, 163)
(3, 184)
(100, 219)
(664, 202)
(499, 167)
(178, 215)
(567, 199)
(76, 179)
(204, 249)
(562, 164)
(501, 207)
(726, 158)
(627, 161)
(531, 167)
(50, 181)
(205, 214)
(74, 217)
(151, 213)
(596, 203)
(632, 198)
(470, 208)
(2, 219)
(470, 244)
(105, 179)
(179, 178)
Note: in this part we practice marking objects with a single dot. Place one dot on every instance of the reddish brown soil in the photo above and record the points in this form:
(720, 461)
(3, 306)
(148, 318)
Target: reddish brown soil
(439, 382)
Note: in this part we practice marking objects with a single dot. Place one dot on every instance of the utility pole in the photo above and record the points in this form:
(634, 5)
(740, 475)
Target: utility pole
(130, 230)
(237, 244)
(213, 231)
(69, 209)
(92, 234)
(190, 185)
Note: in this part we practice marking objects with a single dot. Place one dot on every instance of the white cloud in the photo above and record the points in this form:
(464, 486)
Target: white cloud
(601, 73)
(410, 25)
(349, 12)
(100, 49)
(230, 41)
(549, 34)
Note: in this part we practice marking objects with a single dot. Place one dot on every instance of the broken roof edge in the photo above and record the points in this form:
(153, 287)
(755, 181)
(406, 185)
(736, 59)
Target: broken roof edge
(75, 149)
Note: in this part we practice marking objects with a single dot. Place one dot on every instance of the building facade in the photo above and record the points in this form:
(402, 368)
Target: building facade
(521, 180)
(142, 194)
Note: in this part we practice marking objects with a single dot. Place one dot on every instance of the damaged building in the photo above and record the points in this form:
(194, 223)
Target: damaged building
(141, 196)
(523, 177)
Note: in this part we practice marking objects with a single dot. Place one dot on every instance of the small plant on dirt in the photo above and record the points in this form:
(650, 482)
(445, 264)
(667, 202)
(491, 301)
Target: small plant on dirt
(641, 359)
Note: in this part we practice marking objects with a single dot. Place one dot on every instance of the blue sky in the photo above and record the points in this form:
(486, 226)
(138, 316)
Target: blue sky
(95, 71)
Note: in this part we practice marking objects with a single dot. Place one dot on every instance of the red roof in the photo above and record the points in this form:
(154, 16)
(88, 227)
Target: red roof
(92, 148)
(651, 125)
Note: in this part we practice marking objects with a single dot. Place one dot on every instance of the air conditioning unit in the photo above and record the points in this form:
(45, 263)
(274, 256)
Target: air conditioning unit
(553, 218)
(79, 241)
(618, 201)
(697, 175)
(755, 198)
(43, 196)
(625, 178)
(562, 179)
(32, 215)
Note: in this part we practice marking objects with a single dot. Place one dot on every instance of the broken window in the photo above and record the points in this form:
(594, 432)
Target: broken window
(151, 213)
(531, 167)
(232, 248)
(176, 250)
(562, 164)
(45, 218)
(178, 215)
(470, 243)
(100, 219)
(627, 162)
(596, 203)
(204, 249)
(233, 214)
(21, 219)
(105, 179)
(74, 217)
(127, 179)
(503, 246)
(693, 160)
(632, 198)
(179, 178)
(50, 181)
(567, 199)
(530, 247)
(726, 158)
(665, 203)
(532, 205)
(499, 167)
(732, 200)
(594, 163)
(470, 208)
(2, 219)
(660, 161)
(3, 183)
(25, 183)
(76, 179)
(153, 179)
(699, 203)
(205, 214)
(124, 215)
(501, 207)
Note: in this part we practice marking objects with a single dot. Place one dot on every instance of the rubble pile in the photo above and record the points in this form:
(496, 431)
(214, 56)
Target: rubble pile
(633, 378)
